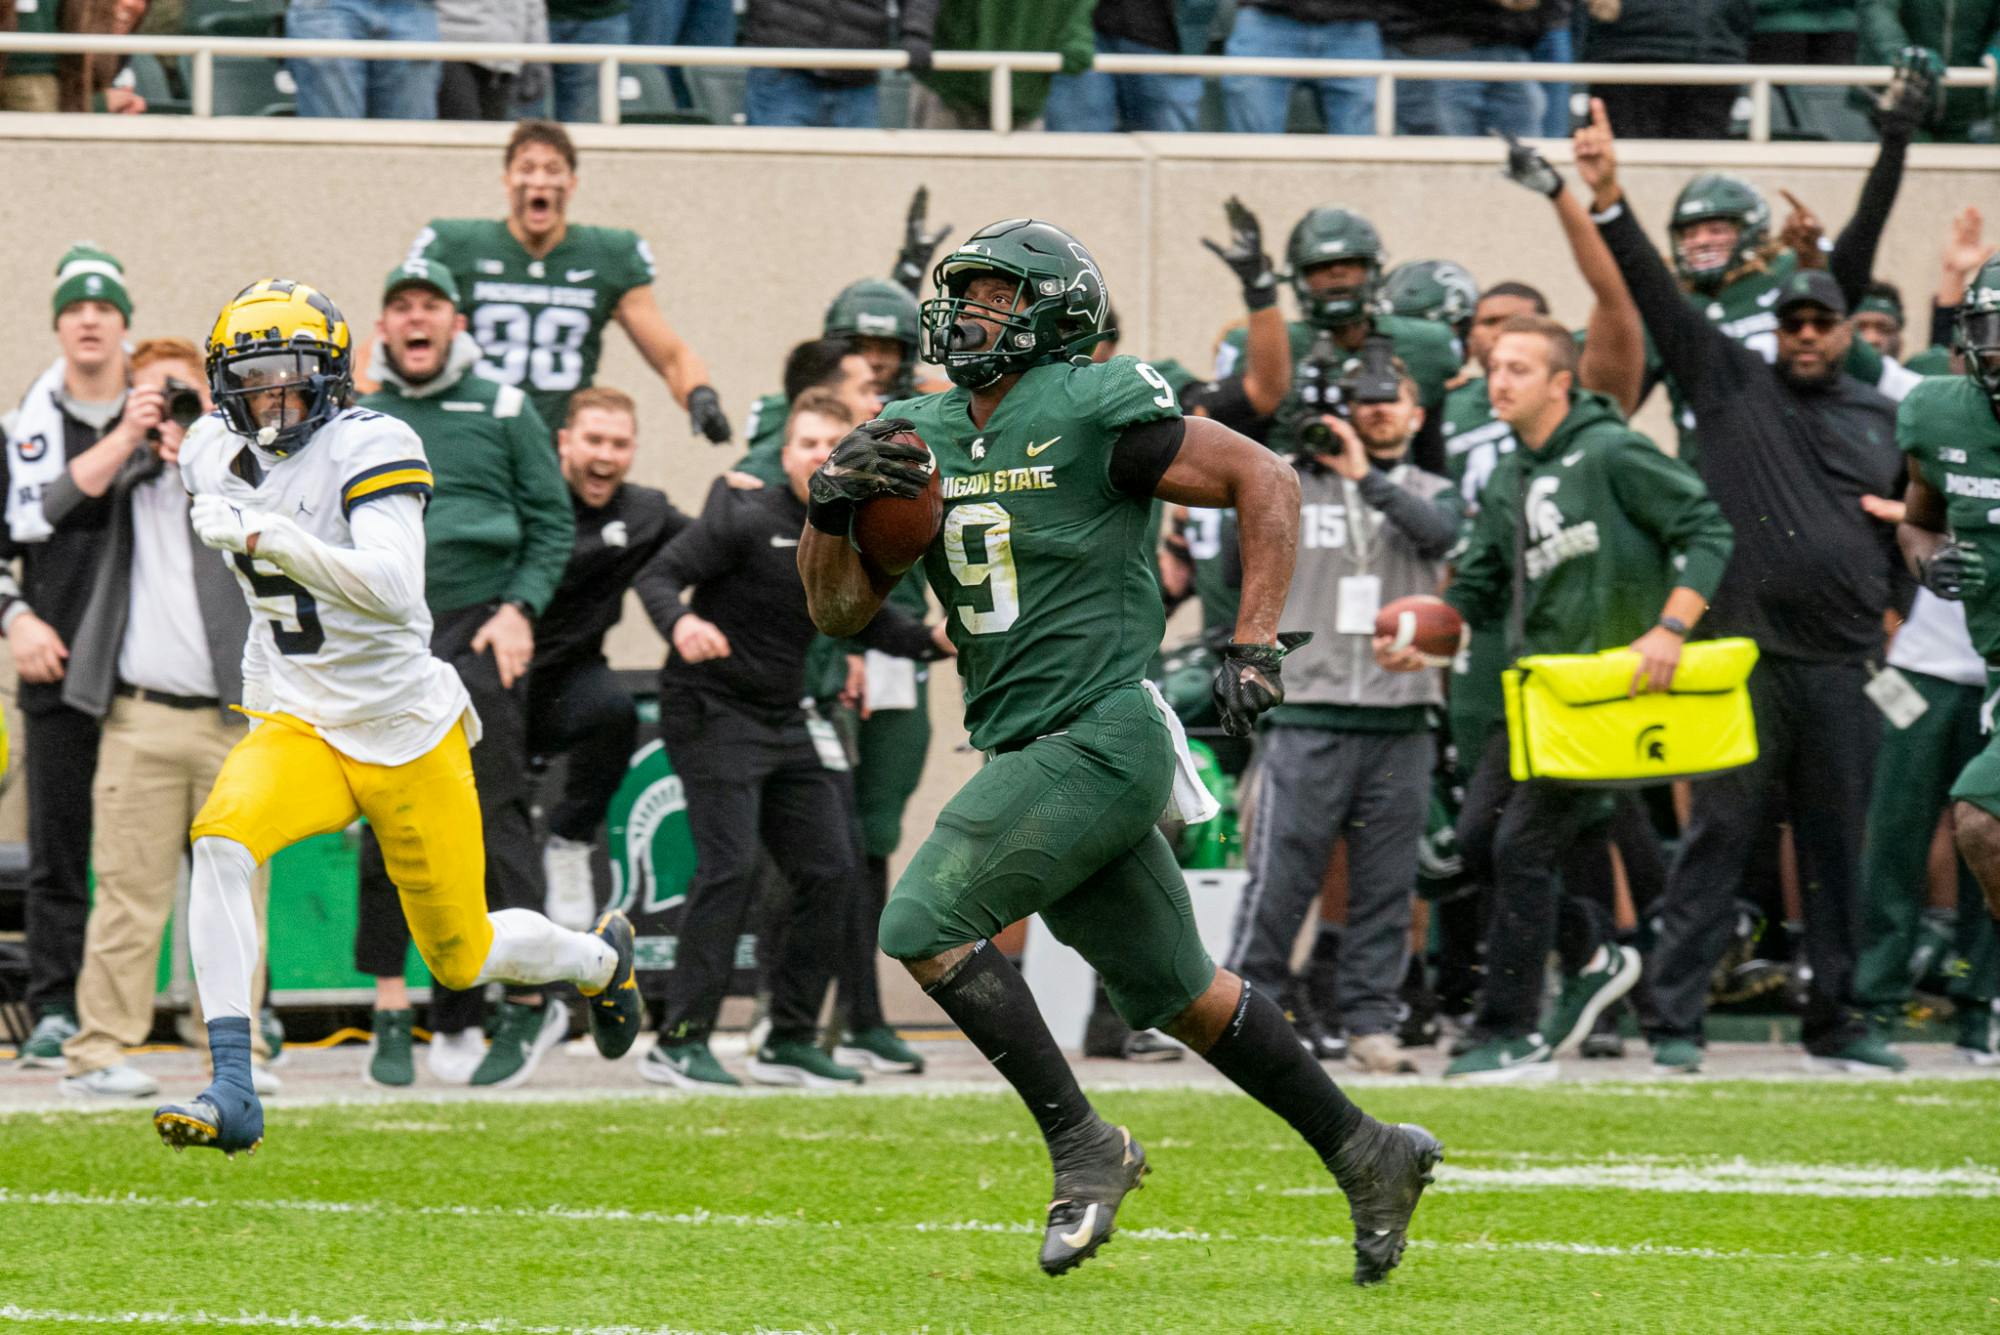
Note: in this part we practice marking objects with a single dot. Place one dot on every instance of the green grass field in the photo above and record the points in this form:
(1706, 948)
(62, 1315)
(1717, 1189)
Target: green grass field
(1702, 1206)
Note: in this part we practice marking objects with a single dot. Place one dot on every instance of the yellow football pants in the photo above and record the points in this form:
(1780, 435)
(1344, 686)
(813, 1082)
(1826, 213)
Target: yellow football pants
(284, 783)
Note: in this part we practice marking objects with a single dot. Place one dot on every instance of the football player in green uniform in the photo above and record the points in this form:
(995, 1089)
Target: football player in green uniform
(539, 289)
(1435, 290)
(1048, 465)
(1950, 428)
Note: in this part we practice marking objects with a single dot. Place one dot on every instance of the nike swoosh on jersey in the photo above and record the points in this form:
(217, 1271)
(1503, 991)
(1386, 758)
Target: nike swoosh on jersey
(1082, 1234)
(1034, 450)
(1572, 457)
(578, 275)
(777, 541)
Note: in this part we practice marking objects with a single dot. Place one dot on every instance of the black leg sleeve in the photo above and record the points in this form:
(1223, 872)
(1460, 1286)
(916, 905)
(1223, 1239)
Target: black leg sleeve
(989, 1001)
(62, 762)
(1260, 1052)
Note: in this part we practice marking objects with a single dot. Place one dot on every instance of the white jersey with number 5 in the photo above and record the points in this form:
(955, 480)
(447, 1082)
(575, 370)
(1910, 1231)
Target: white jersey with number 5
(366, 682)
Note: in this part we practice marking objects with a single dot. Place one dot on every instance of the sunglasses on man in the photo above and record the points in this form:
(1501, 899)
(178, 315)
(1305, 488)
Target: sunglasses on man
(1823, 323)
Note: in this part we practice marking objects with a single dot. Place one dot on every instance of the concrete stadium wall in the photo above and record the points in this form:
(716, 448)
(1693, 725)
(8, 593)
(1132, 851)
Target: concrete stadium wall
(754, 230)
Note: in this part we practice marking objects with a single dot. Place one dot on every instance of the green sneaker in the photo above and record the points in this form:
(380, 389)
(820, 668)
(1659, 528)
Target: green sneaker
(798, 1062)
(1866, 1055)
(44, 1047)
(1585, 995)
(1978, 1033)
(522, 1035)
(879, 1049)
(686, 1066)
(390, 1063)
(1503, 1061)
(1676, 1056)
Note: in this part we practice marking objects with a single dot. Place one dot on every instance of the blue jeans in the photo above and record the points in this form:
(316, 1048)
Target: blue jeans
(683, 23)
(1557, 47)
(383, 89)
(794, 97)
(1470, 109)
(576, 85)
(1096, 102)
(1257, 105)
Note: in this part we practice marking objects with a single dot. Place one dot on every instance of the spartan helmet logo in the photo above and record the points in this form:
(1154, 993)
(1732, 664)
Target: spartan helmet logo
(1652, 744)
(1087, 287)
(1545, 518)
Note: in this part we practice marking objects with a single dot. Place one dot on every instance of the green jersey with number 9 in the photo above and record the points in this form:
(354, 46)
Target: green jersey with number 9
(1050, 590)
(539, 323)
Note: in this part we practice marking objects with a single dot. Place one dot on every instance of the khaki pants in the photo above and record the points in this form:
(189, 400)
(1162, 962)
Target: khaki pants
(29, 92)
(155, 767)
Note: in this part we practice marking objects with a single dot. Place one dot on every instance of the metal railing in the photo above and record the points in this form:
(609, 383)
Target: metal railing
(998, 66)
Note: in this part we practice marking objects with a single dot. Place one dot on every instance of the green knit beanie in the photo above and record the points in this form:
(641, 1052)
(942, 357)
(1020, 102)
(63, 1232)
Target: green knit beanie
(88, 273)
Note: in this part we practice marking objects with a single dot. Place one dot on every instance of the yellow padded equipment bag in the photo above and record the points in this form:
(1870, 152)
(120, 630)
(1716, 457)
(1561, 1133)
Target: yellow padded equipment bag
(1569, 716)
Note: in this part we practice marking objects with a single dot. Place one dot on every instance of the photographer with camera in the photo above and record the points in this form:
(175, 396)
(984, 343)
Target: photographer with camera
(156, 660)
(1349, 752)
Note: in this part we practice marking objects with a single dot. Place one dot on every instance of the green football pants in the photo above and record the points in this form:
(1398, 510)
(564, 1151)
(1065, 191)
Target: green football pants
(894, 743)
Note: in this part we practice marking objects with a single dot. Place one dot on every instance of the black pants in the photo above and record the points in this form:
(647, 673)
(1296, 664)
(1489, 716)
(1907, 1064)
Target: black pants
(1804, 48)
(500, 769)
(580, 711)
(62, 761)
(1516, 839)
(1657, 111)
(750, 781)
(1816, 739)
(468, 92)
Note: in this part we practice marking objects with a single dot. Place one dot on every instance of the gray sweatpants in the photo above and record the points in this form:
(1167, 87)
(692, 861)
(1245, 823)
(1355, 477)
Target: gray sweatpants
(1314, 786)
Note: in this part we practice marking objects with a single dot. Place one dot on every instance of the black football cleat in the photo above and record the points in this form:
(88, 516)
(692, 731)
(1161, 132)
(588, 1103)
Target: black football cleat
(217, 1118)
(615, 1012)
(1384, 1170)
(1088, 1193)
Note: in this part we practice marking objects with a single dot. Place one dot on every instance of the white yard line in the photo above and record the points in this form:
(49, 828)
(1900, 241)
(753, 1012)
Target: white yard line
(1714, 1176)
(198, 1318)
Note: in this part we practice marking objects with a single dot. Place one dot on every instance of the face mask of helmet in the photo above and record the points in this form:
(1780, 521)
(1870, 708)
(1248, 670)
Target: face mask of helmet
(275, 398)
(1979, 340)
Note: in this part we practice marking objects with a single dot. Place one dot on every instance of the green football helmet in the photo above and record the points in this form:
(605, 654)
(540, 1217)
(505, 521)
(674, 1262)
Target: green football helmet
(874, 308)
(1061, 308)
(1323, 236)
(1435, 290)
(1719, 195)
(1979, 329)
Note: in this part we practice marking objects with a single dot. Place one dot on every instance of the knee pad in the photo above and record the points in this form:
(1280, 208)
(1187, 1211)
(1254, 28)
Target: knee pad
(911, 930)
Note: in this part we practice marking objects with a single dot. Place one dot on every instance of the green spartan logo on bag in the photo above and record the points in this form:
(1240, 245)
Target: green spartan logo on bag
(1652, 743)
(652, 851)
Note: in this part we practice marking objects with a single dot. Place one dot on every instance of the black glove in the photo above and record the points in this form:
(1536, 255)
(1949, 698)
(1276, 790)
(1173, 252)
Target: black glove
(1953, 572)
(914, 261)
(1526, 166)
(863, 466)
(705, 411)
(1915, 93)
(918, 48)
(1246, 681)
(1245, 256)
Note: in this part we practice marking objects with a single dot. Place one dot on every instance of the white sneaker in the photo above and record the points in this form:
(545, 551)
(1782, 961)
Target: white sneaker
(121, 1080)
(265, 1081)
(454, 1057)
(572, 897)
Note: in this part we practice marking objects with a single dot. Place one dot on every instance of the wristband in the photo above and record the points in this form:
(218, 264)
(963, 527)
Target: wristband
(1260, 296)
(1674, 624)
(835, 517)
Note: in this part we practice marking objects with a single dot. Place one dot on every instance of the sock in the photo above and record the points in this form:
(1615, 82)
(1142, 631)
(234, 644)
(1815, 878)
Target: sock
(987, 998)
(527, 948)
(229, 1049)
(222, 928)
(1259, 1051)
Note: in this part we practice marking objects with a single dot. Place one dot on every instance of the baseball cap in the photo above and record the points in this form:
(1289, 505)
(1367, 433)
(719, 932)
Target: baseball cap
(421, 273)
(1812, 287)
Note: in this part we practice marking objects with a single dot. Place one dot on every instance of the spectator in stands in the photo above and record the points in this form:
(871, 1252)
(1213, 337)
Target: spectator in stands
(576, 708)
(584, 23)
(157, 658)
(1414, 30)
(846, 98)
(735, 731)
(958, 100)
(46, 83)
(1952, 34)
(351, 89)
(497, 535)
(683, 23)
(1804, 32)
(1557, 46)
(1094, 101)
(486, 90)
(1789, 452)
(1671, 32)
(70, 407)
(1349, 753)
(27, 79)
(1322, 29)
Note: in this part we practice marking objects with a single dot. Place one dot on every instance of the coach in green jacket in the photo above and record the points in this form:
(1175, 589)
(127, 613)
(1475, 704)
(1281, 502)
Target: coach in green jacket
(497, 536)
(1619, 544)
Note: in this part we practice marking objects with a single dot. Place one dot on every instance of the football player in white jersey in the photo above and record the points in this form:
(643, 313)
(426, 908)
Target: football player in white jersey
(319, 508)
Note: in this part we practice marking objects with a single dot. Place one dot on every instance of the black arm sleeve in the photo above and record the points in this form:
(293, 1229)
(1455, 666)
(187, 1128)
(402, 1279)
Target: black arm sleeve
(1853, 259)
(898, 633)
(1144, 453)
(1690, 348)
(704, 549)
(1429, 526)
(1944, 324)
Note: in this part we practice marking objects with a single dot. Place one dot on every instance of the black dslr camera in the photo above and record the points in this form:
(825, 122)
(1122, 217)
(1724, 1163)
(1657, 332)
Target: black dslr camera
(1330, 380)
(183, 406)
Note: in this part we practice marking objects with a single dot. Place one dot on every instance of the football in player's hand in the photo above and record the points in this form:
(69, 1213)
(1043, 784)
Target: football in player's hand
(1425, 623)
(894, 532)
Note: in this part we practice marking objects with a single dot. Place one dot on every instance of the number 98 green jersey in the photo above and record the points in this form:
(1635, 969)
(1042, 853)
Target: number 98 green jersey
(1050, 589)
(538, 322)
